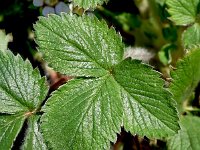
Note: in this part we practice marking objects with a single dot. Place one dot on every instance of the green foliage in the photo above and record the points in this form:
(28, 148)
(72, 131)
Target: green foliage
(188, 137)
(34, 139)
(84, 45)
(107, 92)
(87, 113)
(183, 12)
(10, 125)
(22, 91)
(84, 114)
(86, 4)
(186, 13)
(21, 88)
(186, 77)
(191, 36)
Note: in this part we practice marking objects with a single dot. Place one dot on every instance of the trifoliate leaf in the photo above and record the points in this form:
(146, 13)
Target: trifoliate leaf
(21, 87)
(183, 12)
(4, 40)
(88, 3)
(188, 137)
(186, 77)
(191, 36)
(10, 125)
(78, 46)
(34, 139)
(87, 113)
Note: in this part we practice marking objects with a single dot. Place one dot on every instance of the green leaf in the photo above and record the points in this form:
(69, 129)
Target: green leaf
(84, 114)
(22, 90)
(34, 139)
(188, 137)
(186, 77)
(87, 113)
(21, 87)
(90, 112)
(183, 12)
(4, 40)
(191, 36)
(86, 4)
(78, 46)
(146, 111)
(10, 125)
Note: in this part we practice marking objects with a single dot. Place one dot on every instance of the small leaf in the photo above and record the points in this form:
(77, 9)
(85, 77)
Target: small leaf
(183, 12)
(34, 139)
(188, 137)
(78, 46)
(21, 87)
(86, 4)
(10, 125)
(191, 36)
(186, 77)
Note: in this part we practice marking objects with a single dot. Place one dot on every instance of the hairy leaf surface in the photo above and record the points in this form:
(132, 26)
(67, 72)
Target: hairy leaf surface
(22, 90)
(90, 112)
(78, 46)
(191, 36)
(186, 77)
(87, 113)
(88, 3)
(183, 12)
(146, 111)
(21, 87)
(188, 137)
(10, 126)
(34, 139)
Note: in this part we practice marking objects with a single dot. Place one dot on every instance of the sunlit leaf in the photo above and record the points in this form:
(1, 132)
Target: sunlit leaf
(22, 90)
(10, 126)
(188, 137)
(183, 12)
(34, 139)
(78, 46)
(87, 113)
(21, 87)
(191, 36)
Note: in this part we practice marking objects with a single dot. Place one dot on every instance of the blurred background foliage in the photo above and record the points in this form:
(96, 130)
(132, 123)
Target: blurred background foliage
(143, 25)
